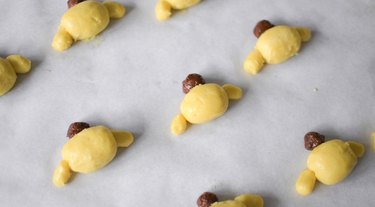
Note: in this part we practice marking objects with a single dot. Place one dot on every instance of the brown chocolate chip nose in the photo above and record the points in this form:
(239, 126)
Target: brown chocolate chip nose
(206, 199)
(76, 128)
(191, 81)
(73, 2)
(261, 27)
(313, 139)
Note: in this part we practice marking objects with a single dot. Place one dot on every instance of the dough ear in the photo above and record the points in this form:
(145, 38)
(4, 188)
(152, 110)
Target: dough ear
(233, 91)
(20, 64)
(179, 125)
(123, 138)
(358, 148)
(62, 40)
(163, 10)
(254, 62)
(115, 9)
(62, 174)
(305, 33)
(306, 182)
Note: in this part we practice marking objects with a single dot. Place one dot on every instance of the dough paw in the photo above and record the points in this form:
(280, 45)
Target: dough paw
(163, 10)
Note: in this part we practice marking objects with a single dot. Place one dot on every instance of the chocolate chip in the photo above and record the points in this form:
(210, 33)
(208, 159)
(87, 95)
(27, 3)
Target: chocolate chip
(73, 2)
(313, 139)
(261, 27)
(191, 81)
(206, 199)
(76, 128)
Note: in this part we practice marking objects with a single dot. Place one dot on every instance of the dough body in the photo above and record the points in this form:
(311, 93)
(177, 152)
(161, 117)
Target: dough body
(278, 44)
(85, 20)
(228, 204)
(8, 76)
(90, 150)
(204, 103)
(332, 161)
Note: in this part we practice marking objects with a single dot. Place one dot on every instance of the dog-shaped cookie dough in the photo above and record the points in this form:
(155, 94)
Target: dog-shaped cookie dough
(275, 44)
(84, 21)
(88, 150)
(203, 102)
(209, 199)
(329, 162)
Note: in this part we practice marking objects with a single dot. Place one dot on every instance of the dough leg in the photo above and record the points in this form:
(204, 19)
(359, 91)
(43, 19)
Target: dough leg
(115, 9)
(123, 138)
(179, 125)
(305, 33)
(62, 40)
(163, 10)
(306, 182)
(62, 174)
(254, 62)
(20, 64)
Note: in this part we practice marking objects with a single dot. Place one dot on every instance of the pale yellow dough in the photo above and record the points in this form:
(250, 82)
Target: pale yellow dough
(373, 140)
(228, 204)
(204, 103)
(84, 21)
(89, 150)
(330, 163)
(274, 46)
(245, 200)
(250, 200)
(306, 182)
(9, 67)
(163, 9)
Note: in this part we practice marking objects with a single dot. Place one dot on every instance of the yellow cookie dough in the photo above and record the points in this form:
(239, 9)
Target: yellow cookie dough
(88, 151)
(274, 46)
(84, 21)
(163, 9)
(373, 140)
(9, 67)
(330, 163)
(204, 103)
(245, 200)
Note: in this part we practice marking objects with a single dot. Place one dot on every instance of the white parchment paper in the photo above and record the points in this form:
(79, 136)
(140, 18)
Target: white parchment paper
(129, 77)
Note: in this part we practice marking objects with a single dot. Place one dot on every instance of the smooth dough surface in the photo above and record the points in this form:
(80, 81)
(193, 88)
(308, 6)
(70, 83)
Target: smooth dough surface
(306, 182)
(85, 20)
(278, 44)
(228, 204)
(332, 161)
(204, 103)
(7, 76)
(250, 200)
(20, 64)
(90, 150)
(182, 4)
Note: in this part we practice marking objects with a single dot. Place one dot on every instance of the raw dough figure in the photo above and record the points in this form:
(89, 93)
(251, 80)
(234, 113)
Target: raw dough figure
(204, 103)
(88, 151)
(208, 199)
(84, 21)
(275, 45)
(330, 163)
